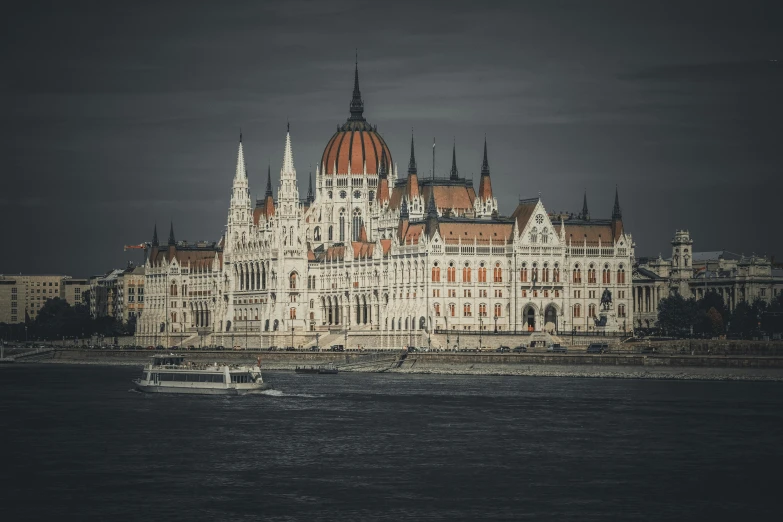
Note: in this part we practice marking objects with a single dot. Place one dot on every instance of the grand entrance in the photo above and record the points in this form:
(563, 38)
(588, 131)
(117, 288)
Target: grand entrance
(550, 319)
(530, 320)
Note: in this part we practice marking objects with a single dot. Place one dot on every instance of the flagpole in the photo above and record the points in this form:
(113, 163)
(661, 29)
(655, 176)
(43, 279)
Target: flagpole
(433, 158)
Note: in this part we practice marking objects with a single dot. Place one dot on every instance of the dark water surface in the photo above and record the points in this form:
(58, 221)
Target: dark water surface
(77, 445)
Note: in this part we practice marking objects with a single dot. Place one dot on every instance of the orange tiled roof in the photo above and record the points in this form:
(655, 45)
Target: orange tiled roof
(523, 212)
(481, 232)
(592, 232)
(356, 147)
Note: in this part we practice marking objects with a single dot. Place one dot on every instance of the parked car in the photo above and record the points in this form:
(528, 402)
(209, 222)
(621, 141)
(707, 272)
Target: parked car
(338, 348)
(556, 348)
(159, 347)
(290, 349)
(520, 349)
(598, 348)
(314, 349)
(503, 349)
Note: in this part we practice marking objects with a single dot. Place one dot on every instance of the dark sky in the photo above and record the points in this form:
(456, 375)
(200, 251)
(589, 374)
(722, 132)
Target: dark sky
(118, 115)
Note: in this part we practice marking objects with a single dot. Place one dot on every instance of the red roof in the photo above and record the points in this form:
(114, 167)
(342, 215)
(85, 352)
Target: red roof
(355, 147)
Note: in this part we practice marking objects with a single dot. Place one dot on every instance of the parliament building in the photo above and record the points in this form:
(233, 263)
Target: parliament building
(370, 248)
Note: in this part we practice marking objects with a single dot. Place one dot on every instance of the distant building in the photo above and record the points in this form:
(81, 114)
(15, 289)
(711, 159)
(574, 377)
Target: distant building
(119, 293)
(33, 291)
(75, 291)
(734, 277)
(13, 300)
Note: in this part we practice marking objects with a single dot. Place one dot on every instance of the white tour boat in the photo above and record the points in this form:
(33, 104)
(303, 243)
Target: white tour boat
(171, 374)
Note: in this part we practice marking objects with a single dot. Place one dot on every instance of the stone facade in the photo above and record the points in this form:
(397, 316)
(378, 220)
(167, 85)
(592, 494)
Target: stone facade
(370, 250)
(734, 277)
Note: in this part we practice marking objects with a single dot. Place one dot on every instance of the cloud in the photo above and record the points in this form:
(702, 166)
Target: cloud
(710, 71)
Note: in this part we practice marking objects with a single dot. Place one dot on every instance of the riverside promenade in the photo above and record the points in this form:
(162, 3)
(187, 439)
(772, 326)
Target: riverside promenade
(576, 364)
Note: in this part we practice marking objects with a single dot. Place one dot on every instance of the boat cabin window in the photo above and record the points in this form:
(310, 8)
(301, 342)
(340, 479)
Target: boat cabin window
(190, 377)
(240, 378)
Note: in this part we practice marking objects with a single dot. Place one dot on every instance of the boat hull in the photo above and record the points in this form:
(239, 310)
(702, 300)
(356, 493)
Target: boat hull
(194, 390)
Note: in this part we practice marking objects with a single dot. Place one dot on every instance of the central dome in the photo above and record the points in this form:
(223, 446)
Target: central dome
(356, 143)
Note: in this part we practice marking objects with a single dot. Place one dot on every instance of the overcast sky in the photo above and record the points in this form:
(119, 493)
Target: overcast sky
(118, 116)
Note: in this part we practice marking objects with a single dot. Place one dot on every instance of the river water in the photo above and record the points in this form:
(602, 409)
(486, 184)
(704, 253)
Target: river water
(78, 445)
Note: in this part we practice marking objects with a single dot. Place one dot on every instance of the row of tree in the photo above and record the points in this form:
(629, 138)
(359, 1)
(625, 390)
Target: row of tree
(710, 317)
(57, 319)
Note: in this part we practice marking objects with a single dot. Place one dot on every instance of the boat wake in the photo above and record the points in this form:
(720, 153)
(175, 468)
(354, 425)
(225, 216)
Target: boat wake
(278, 393)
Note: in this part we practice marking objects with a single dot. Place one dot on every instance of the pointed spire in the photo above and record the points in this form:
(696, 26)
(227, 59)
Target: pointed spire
(382, 173)
(288, 156)
(357, 105)
(310, 197)
(617, 213)
(454, 172)
(155, 236)
(585, 213)
(241, 172)
(432, 214)
(412, 163)
(485, 163)
(172, 241)
(269, 181)
(432, 209)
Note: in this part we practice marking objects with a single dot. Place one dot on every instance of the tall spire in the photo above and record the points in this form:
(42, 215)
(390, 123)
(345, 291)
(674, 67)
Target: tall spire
(288, 156)
(357, 105)
(310, 197)
(617, 213)
(485, 185)
(268, 181)
(432, 214)
(485, 163)
(412, 163)
(241, 172)
(585, 212)
(172, 241)
(454, 172)
(404, 210)
(155, 236)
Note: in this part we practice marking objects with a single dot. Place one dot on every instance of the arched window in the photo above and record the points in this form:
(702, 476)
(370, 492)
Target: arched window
(451, 273)
(466, 310)
(621, 275)
(436, 306)
(621, 310)
(330, 235)
(292, 281)
(556, 274)
(545, 235)
(591, 310)
(466, 275)
(577, 310)
(482, 274)
(498, 310)
(545, 273)
(498, 273)
(342, 225)
(577, 274)
(523, 273)
(606, 277)
(591, 280)
(534, 235)
(482, 310)
(451, 309)
(317, 234)
(436, 273)
(357, 224)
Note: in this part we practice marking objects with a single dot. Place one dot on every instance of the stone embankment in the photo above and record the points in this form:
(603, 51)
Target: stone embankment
(634, 366)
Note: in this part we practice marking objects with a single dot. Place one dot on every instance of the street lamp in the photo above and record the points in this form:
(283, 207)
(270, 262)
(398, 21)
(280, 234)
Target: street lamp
(481, 327)
(292, 333)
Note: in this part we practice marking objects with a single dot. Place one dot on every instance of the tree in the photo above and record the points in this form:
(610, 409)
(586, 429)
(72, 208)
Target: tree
(677, 315)
(714, 322)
